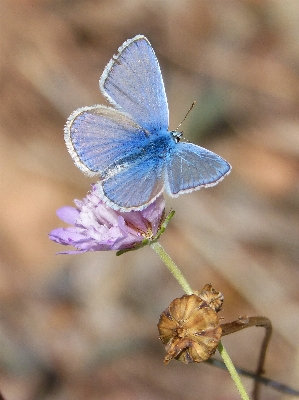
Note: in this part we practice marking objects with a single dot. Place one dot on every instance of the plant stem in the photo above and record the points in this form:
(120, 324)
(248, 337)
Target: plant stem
(232, 370)
(173, 268)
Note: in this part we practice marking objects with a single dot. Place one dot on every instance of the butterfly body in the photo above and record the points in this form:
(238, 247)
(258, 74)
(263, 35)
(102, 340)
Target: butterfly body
(128, 145)
(154, 152)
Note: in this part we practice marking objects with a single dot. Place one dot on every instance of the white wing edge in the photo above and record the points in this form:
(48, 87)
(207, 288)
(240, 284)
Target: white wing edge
(68, 139)
(167, 187)
(116, 207)
(109, 66)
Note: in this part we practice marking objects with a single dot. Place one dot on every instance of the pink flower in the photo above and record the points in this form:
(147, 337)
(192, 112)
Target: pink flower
(97, 227)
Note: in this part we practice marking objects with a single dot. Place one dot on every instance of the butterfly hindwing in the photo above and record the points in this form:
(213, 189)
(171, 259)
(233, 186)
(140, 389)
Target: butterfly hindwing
(134, 186)
(192, 167)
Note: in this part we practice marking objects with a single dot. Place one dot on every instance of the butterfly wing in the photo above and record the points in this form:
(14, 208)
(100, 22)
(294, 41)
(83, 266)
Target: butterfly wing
(136, 187)
(127, 146)
(106, 142)
(192, 167)
(97, 138)
(132, 82)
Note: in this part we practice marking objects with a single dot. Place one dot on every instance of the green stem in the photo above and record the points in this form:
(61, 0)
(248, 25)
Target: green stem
(173, 268)
(232, 370)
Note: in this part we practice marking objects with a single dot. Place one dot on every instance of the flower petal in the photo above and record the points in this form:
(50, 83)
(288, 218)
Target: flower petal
(68, 214)
(97, 227)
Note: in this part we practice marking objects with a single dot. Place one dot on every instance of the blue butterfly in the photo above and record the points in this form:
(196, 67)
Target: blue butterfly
(129, 145)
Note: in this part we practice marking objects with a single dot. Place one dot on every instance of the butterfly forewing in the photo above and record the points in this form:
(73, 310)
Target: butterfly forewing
(132, 82)
(98, 137)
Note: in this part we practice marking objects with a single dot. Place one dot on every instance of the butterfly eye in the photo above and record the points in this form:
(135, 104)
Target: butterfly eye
(176, 136)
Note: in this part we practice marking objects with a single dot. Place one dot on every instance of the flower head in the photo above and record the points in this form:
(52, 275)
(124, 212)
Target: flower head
(97, 227)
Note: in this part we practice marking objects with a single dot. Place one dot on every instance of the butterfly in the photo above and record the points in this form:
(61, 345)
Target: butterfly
(129, 145)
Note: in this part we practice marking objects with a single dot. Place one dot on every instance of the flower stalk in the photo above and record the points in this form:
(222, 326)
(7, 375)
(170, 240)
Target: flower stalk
(233, 373)
(173, 268)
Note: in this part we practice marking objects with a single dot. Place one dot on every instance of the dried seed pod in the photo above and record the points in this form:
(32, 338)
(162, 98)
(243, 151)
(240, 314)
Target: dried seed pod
(189, 329)
(213, 298)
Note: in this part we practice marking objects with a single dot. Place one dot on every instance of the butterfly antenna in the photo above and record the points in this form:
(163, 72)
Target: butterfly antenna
(192, 105)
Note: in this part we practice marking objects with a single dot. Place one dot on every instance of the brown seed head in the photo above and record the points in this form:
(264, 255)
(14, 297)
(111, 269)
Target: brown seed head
(213, 298)
(189, 329)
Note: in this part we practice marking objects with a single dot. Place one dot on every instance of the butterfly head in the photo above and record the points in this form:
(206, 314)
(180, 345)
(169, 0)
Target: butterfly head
(177, 136)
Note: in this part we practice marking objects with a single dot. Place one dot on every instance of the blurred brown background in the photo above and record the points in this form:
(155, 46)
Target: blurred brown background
(84, 327)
